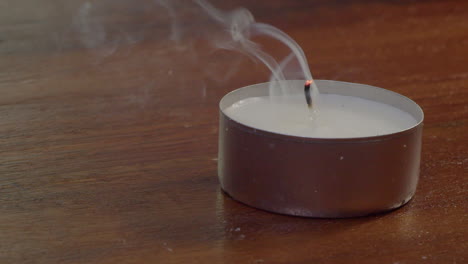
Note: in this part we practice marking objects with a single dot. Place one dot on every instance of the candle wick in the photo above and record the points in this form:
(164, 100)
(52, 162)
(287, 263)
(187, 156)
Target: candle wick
(308, 96)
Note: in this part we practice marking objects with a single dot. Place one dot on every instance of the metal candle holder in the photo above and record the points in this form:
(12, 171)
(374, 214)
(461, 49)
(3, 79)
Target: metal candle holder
(320, 177)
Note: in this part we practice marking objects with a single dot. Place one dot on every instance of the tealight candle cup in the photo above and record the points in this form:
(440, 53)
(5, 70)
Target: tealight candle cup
(320, 177)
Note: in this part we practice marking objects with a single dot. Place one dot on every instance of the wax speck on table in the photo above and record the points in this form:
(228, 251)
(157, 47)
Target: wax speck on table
(203, 90)
(167, 247)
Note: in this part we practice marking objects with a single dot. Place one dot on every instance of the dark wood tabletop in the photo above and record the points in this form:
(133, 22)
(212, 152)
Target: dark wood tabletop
(109, 118)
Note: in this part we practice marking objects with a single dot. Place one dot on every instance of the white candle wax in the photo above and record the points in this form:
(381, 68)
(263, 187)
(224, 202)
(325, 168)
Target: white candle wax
(338, 116)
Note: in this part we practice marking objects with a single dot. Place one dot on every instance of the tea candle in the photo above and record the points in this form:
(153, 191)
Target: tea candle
(336, 116)
(343, 157)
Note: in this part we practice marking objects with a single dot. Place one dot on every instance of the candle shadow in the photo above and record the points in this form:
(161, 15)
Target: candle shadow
(247, 224)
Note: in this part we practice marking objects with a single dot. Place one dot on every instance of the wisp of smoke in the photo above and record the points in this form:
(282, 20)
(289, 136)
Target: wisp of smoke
(100, 30)
(242, 27)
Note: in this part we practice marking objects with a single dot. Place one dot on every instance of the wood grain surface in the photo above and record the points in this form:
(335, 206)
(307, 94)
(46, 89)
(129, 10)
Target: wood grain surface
(108, 131)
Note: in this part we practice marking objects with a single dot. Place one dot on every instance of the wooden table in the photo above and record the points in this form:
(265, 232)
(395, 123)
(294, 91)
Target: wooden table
(108, 131)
